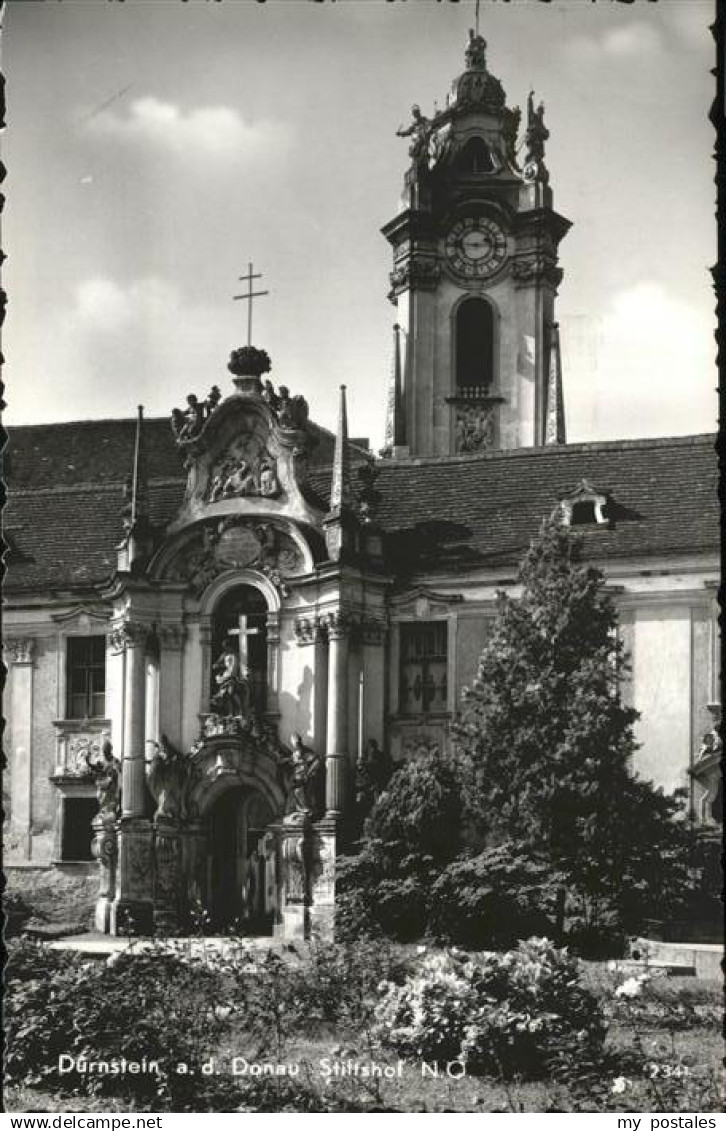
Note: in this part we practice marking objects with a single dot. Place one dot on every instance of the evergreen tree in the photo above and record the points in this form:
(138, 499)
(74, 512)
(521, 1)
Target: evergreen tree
(412, 833)
(546, 742)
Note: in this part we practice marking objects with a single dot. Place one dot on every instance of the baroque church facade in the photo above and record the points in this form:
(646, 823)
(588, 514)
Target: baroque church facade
(222, 635)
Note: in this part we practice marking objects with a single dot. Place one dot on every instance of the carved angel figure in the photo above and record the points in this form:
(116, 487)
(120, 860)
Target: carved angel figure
(475, 54)
(292, 412)
(510, 130)
(170, 776)
(107, 772)
(534, 139)
(193, 418)
(269, 483)
(419, 131)
(232, 694)
(269, 395)
(306, 771)
(240, 481)
(214, 396)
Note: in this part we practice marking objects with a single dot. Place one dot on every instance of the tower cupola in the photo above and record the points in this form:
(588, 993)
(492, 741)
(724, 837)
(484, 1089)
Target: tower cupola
(475, 271)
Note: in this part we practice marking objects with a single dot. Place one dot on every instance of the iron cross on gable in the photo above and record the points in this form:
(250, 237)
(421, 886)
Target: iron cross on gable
(243, 633)
(249, 297)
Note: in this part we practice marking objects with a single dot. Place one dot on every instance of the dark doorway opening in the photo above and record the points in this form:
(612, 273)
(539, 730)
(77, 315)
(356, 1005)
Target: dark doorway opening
(237, 880)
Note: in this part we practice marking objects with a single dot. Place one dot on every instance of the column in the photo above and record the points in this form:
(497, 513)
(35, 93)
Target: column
(320, 717)
(337, 724)
(132, 911)
(19, 655)
(171, 642)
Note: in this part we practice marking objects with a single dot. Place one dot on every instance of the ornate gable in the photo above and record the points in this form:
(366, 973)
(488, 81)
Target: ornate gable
(245, 455)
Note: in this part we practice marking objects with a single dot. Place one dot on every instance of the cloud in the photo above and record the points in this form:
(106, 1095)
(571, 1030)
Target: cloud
(208, 131)
(633, 40)
(642, 369)
(117, 345)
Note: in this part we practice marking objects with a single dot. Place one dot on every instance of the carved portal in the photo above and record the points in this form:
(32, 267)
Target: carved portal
(235, 542)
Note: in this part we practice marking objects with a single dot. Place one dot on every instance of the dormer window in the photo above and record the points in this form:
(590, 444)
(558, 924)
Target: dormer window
(586, 506)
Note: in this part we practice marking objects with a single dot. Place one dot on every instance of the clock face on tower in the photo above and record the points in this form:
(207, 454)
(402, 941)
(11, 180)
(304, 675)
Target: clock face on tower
(476, 247)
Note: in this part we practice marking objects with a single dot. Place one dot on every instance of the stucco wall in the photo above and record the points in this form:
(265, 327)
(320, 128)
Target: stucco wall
(662, 663)
(44, 795)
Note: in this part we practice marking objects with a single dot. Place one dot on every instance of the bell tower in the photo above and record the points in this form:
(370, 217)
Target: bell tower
(475, 274)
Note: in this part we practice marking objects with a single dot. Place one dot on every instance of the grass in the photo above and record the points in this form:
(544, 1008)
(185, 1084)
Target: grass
(683, 1065)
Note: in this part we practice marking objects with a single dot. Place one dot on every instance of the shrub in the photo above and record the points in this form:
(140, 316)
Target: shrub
(494, 899)
(507, 1014)
(339, 982)
(153, 1005)
(412, 833)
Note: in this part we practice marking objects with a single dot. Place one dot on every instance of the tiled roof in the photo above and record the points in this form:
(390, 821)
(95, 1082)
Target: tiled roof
(102, 451)
(65, 496)
(483, 510)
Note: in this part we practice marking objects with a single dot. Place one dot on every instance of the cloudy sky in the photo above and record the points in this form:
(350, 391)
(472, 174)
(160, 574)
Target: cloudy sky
(154, 147)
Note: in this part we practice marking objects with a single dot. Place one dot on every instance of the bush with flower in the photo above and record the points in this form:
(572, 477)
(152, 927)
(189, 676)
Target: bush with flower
(506, 1014)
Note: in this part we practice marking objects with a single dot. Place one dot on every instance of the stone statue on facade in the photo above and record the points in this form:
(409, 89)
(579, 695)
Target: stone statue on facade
(534, 139)
(419, 131)
(214, 396)
(231, 697)
(170, 776)
(475, 54)
(193, 418)
(269, 395)
(512, 120)
(306, 776)
(239, 480)
(372, 773)
(707, 775)
(292, 412)
(269, 483)
(107, 772)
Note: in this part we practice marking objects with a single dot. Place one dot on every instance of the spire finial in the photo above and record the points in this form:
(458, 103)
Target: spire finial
(476, 18)
(135, 471)
(340, 486)
(555, 417)
(395, 419)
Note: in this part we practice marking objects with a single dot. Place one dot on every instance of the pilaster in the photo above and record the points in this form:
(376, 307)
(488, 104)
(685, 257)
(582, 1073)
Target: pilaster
(132, 910)
(338, 629)
(18, 654)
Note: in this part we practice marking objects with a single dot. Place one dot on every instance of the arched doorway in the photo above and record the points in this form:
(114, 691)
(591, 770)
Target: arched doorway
(237, 879)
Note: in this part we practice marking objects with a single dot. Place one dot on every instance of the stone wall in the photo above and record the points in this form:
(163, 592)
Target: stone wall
(60, 894)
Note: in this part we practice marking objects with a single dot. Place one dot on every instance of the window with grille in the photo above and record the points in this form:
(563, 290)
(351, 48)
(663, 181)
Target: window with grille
(423, 679)
(474, 345)
(86, 677)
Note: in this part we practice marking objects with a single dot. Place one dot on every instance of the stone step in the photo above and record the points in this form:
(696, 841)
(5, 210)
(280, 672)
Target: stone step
(703, 959)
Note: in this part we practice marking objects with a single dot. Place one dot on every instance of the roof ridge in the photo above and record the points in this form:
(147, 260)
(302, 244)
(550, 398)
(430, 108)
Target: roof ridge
(9, 428)
(90, 485)
(688, 440)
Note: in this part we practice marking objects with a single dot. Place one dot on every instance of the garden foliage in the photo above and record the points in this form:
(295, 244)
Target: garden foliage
(412, 834)
(502, 1013)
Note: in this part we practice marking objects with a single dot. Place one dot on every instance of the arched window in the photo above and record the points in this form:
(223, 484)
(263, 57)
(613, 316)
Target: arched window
(240, 625)
(475, 157)
(474, 344)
